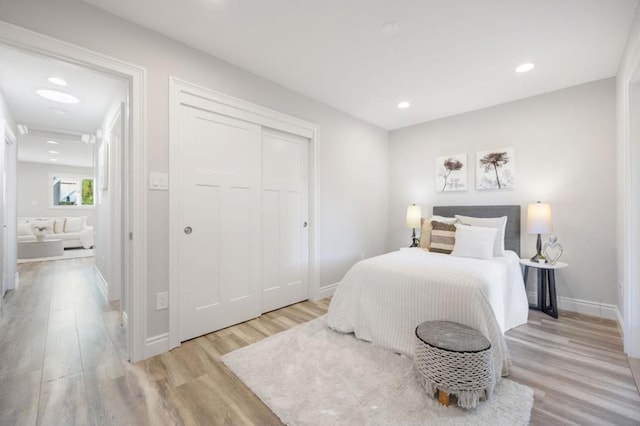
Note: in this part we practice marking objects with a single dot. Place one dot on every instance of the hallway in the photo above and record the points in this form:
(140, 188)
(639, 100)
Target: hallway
(63, 351)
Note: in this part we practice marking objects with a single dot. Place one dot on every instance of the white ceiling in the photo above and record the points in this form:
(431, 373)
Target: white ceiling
(22, 73)
(448, 57)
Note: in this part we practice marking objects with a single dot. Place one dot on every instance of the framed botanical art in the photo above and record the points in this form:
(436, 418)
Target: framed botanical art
(495, 169)
(451, 173)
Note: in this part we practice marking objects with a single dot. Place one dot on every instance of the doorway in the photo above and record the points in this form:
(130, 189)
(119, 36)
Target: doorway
(131, 173)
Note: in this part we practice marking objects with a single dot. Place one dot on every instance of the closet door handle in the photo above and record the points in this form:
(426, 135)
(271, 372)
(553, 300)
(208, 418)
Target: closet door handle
(305, 224)
(188, 230)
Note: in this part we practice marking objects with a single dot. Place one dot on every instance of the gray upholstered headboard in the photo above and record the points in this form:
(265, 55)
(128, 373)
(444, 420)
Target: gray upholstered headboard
(512, 231)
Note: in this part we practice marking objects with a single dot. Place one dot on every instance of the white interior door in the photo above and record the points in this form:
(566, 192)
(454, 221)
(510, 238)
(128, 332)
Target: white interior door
(219, 222)
(285, 212)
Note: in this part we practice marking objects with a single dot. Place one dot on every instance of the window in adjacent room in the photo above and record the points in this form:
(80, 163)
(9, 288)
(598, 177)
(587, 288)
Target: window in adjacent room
(71, 191)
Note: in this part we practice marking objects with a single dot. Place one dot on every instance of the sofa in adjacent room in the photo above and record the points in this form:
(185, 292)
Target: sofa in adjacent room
(73, 231)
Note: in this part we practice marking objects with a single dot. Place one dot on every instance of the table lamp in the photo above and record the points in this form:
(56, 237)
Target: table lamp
(539, 222)
(414, 215)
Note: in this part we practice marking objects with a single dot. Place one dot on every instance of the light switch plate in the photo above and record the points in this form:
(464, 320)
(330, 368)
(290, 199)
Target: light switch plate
(162, 300)
(159, 181)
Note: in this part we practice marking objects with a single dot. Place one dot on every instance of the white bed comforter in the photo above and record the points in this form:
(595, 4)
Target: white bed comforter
(384, 298)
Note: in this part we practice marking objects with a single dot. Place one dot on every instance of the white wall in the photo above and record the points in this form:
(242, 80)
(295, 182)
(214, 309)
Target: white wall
(107, 242)
(34, 191)
(564, 154)
(628, 185)
(353, 169)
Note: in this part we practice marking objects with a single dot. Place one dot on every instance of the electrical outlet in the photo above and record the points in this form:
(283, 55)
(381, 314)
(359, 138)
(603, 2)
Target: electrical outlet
(162, 300)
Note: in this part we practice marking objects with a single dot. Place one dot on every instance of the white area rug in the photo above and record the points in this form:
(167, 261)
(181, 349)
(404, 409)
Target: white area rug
(68, 254)
(311, 375)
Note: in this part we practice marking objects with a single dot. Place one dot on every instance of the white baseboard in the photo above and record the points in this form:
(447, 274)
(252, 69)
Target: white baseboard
(327, 291)
(104, 286)
(587, 307)
(156, 345)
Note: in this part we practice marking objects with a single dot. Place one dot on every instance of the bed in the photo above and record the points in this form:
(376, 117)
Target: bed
(383, 299)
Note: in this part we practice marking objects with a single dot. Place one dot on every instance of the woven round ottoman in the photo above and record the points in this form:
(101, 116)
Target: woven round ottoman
(453, 359)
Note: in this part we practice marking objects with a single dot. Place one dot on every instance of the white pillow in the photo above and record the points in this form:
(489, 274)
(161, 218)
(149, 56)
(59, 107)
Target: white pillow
(443, 219)
(73, 224)
(58, 226)
(498, 223)
(474, 241)
(24, 228)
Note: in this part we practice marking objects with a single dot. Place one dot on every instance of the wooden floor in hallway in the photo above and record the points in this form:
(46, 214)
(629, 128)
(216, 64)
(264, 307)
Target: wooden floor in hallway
(62, 348)
(62, 361)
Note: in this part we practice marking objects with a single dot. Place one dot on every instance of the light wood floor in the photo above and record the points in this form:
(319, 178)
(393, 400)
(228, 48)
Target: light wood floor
(61, 362)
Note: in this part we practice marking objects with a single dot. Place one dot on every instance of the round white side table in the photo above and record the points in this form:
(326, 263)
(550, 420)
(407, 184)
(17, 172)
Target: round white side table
(546, 285)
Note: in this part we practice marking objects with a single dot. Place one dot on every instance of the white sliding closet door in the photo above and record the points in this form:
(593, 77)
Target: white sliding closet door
(219, 217)
(285, 210)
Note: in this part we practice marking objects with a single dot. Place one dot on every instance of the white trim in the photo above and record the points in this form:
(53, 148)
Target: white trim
(182, 92)
(125, 319)
(587, 307)
(104, 285)
(157, 344)
(630, 145)
(326, 291)
(49, 46)
(16, 281)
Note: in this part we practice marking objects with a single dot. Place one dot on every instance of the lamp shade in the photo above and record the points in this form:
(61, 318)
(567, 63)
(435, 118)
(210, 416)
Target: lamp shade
(414, 215)
(539, 218)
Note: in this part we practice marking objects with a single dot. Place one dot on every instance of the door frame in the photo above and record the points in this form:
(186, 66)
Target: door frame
(628, 231)
(9, 260)
(631, 210)
(34, 42)
(185, 93)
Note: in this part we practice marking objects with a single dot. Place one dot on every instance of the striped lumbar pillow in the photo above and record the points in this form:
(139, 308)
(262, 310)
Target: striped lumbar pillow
(443, 237)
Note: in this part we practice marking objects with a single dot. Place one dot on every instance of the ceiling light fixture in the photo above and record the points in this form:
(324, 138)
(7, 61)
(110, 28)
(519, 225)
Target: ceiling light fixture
(390, 29)
(525, 67)
(57, 96)
(53, 159)
(52, 142)
(404, 104)
(57, 81)
(57, 111)
(53, 152)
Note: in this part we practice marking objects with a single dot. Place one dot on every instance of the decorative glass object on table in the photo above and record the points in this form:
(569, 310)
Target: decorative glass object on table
(552, 249)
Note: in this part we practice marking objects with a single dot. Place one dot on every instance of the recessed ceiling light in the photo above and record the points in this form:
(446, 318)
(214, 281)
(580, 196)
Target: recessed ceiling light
(390, 29)
(57, 111)
(404, 104)
(57, 80)
(52, 142)
(53, 152)
(525, 67)
(53, 159)
(57, 96)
